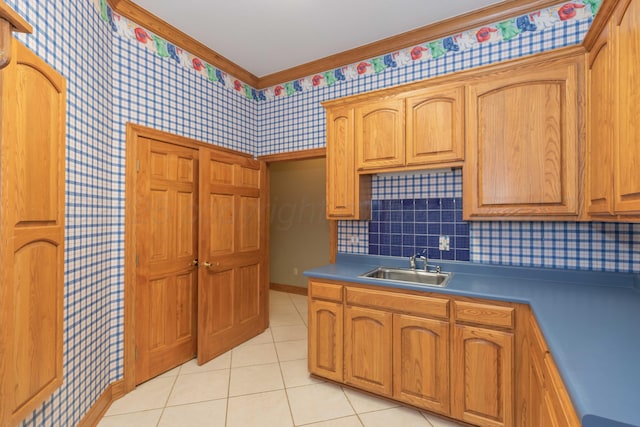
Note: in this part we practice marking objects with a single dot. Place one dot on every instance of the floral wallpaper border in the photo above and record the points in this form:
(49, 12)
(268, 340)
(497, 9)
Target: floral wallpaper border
(505, 30)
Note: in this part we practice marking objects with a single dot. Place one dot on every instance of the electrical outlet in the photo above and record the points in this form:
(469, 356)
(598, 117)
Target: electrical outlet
(295, 271)
(444, 243)
(353, 239)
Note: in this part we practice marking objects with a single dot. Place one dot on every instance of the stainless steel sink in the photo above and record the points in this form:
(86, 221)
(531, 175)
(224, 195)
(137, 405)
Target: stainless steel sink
(406, 275)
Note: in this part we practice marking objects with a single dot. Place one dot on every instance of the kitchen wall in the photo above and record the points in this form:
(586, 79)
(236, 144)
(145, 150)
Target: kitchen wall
(296, 122)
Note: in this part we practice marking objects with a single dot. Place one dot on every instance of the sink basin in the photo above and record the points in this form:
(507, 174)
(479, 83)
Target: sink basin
(406, 275)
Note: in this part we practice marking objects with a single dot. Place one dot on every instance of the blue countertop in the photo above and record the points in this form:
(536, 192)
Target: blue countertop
(590, 321)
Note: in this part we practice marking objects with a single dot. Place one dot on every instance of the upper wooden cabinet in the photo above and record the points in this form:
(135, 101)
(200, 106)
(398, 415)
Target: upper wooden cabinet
(523, 131)
(379, 133)
(348, 195)
(435, 126)
(32, 167)
(613, 187)
(415, 129)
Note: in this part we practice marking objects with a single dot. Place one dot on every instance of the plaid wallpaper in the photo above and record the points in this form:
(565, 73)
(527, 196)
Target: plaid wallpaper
(112, 80)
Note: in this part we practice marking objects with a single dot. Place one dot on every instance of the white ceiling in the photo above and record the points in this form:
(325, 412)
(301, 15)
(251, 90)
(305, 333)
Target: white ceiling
(267, 36)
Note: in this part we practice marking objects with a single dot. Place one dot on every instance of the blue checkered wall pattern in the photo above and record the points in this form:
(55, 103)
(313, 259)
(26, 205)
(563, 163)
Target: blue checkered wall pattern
(112, 80)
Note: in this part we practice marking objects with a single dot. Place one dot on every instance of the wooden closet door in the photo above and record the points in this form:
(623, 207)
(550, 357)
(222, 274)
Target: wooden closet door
(233, 275)
(32, 154)
(167, 246)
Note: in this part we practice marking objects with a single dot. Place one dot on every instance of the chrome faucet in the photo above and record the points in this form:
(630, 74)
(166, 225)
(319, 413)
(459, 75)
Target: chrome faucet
(423, 257)
(412, 261)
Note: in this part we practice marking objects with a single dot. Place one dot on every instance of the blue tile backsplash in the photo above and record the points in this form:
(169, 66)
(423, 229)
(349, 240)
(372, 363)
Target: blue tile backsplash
(410, 211)
(409, 226)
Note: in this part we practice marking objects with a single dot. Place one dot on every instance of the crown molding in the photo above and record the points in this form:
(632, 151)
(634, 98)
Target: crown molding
(467, 21)
(143, 17)
(495, 13)
(18, 23)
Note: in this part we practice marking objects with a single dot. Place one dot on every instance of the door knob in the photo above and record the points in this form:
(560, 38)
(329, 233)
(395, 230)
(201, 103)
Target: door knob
(194, 262)
(207, 264)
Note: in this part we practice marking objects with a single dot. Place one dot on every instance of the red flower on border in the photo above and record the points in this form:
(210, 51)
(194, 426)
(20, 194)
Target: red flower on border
(362, 67)
(416, 52)
(316, 80)
(197, 64)
(141, 35)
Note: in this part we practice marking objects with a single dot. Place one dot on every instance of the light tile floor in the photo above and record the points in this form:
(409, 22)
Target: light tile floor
(262, 383)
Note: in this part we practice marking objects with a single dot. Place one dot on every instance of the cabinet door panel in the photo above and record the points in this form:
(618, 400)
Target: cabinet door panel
(421, 362)
(368, 350)
(601, 129)
(522, 152)
(325, 339)
(379, 134)
(483, 375)
(435, 126)
(627, 154)
(348, 195)
(32, 232)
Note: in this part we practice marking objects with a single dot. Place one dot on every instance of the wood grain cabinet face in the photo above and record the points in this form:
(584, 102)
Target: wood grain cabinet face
(627, 111)
(32, 155)
(325, 339)
(368, 349)
(379, 134)
(421, 362)
(347, 193)
(601, 129)
(435, 126)
(522, 143)
(482, 370)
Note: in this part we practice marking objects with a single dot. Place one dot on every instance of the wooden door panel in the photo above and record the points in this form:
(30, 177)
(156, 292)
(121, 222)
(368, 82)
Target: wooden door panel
(341, 197)
(185, 306)
(368, 349)
(37, 185)
(158, 221)
(221, 216)
(249, 228)
(627, 155)
(325, 339)
(166, 217)
(601, 129)
(539, 163)
(421, 362)
(483, 376)
(220, 172)
(379, 134)
(233, 283)
(213, 300)
(249, 293)
(32, 155)
(522, 140)
(186, 244)
(248, 177)
(435, 126)
(34, 265)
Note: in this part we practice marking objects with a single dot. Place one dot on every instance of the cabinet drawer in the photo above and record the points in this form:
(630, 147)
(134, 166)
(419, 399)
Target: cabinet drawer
(325, 291)
(412, 304)
(484, 314)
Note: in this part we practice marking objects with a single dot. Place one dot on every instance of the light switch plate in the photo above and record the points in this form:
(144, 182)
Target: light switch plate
(444, 243)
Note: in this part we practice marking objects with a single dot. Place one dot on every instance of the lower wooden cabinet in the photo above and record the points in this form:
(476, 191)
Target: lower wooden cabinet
(483, 376)
(367, 349)
(481, 362)
(547, 399)
(326, 331)
(421, 362)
